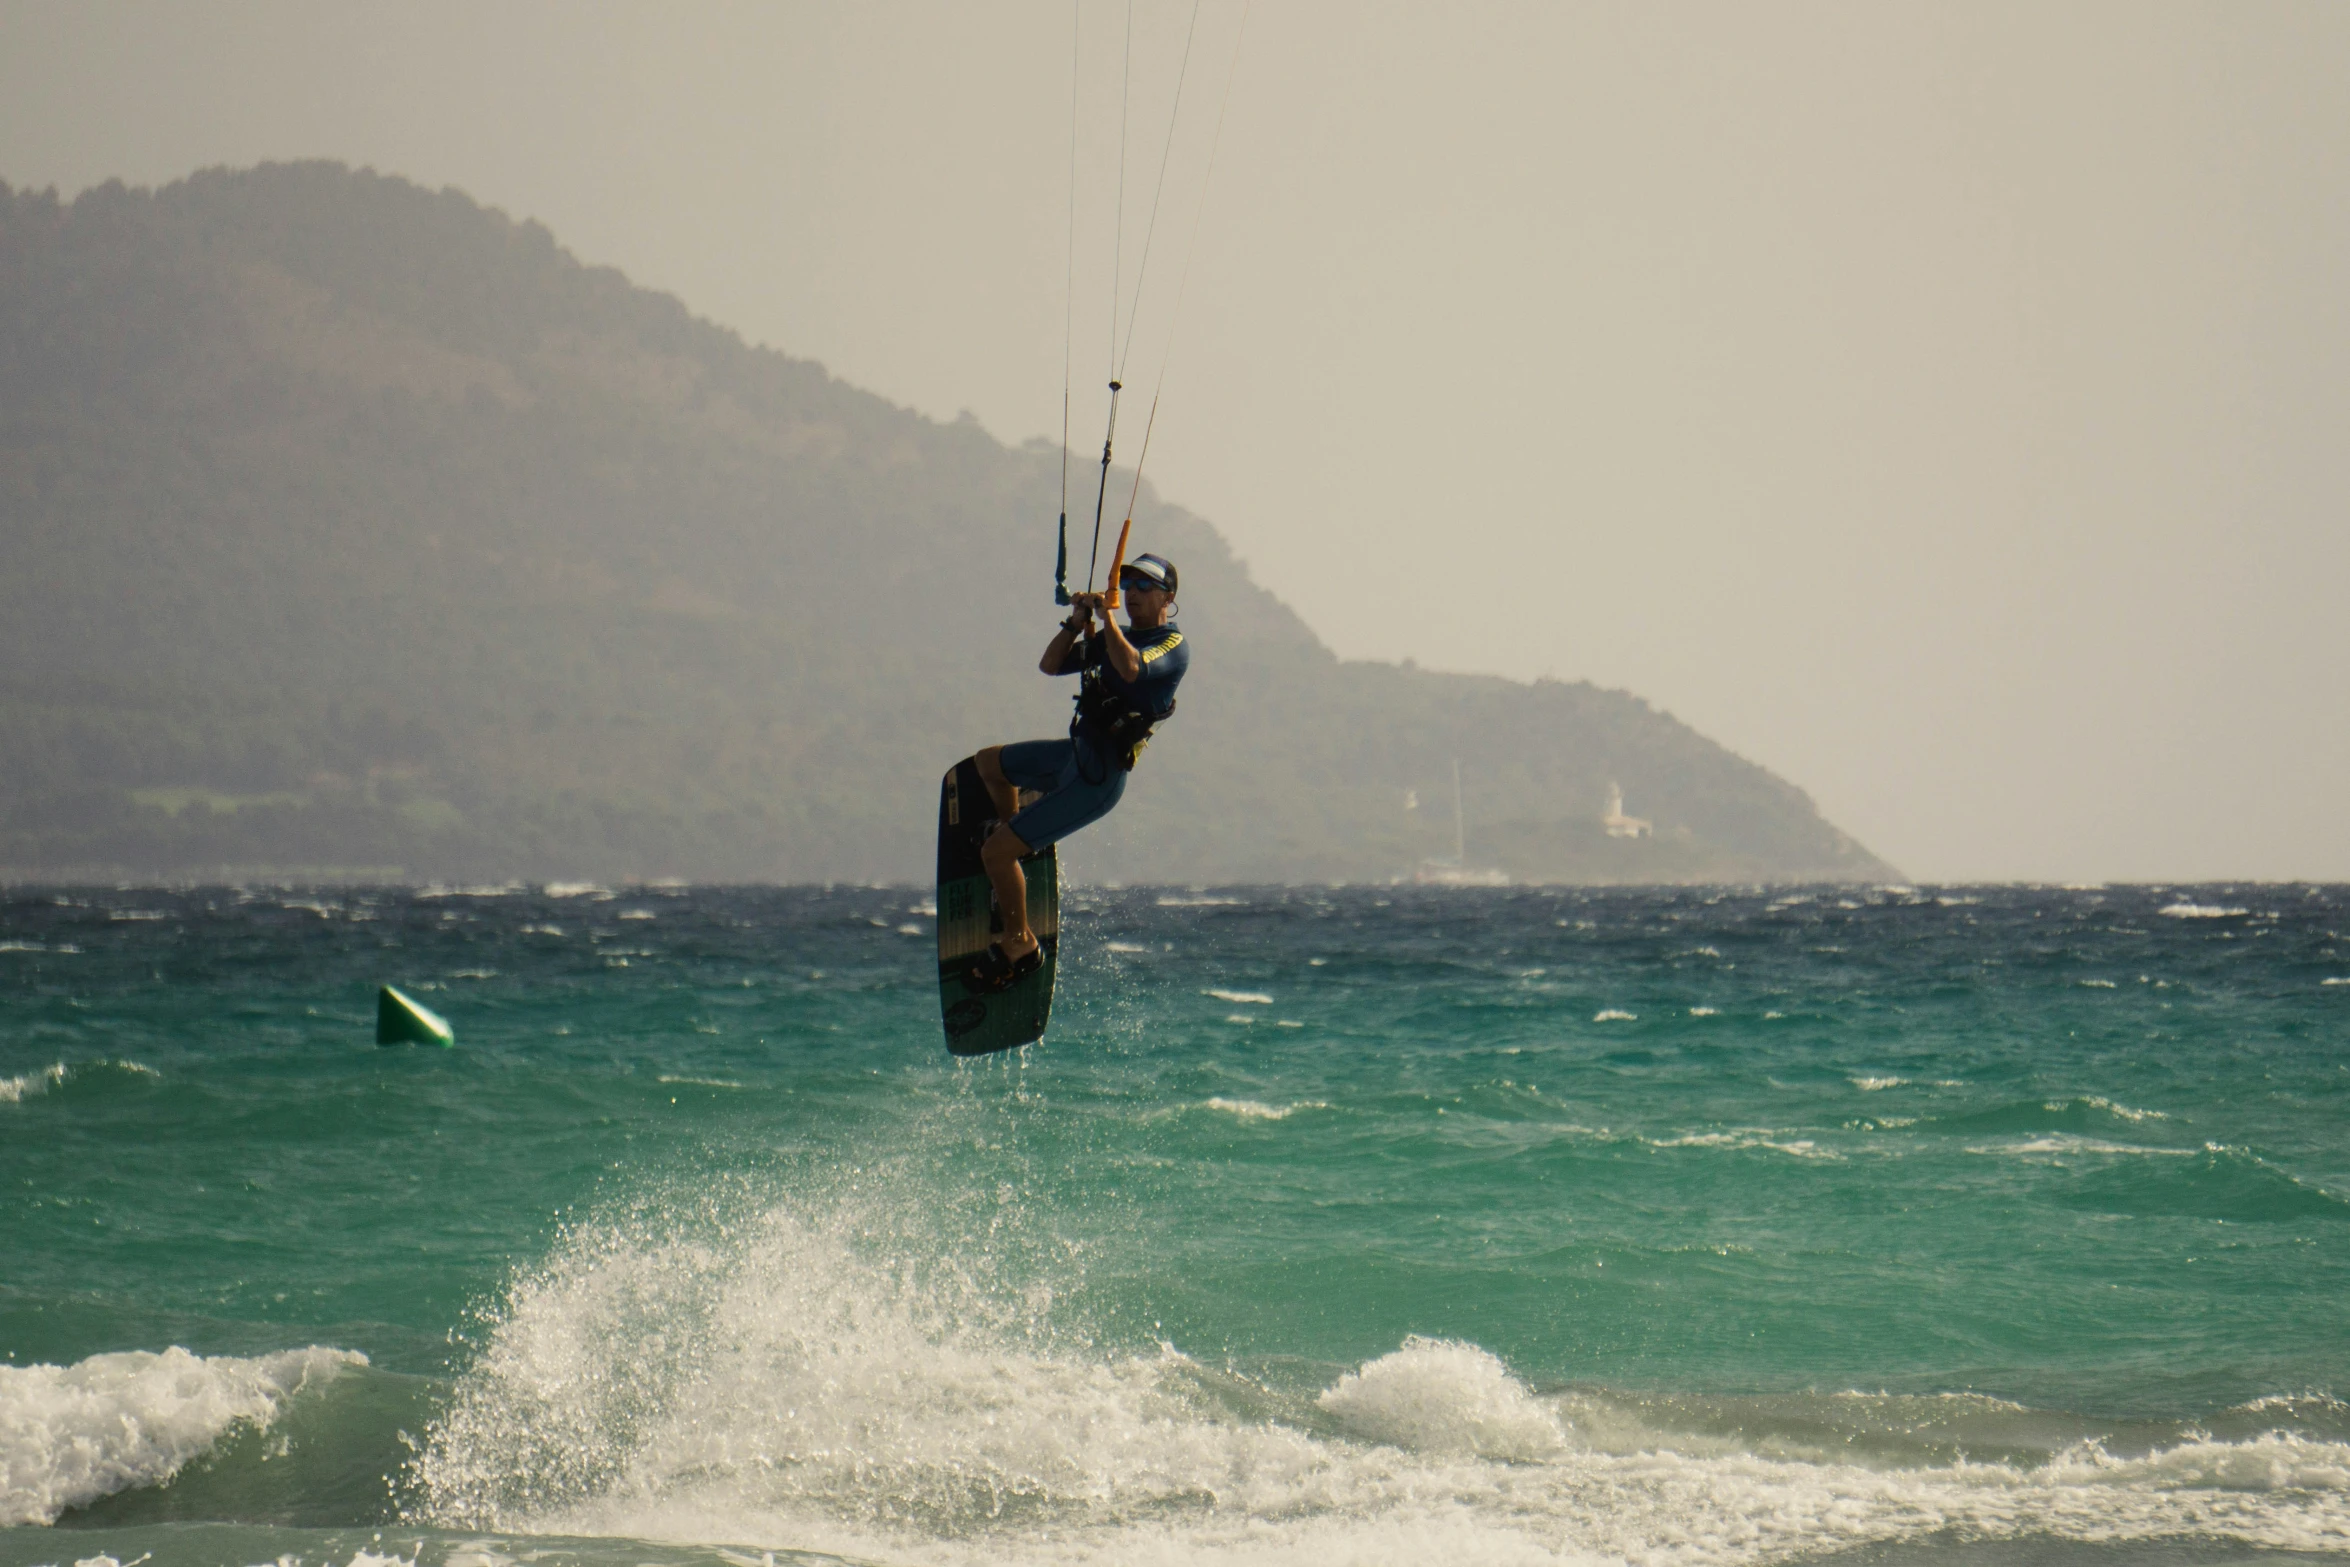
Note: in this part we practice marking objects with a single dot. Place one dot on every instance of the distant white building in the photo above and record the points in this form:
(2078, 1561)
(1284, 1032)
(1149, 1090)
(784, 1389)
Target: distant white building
(1619, 825)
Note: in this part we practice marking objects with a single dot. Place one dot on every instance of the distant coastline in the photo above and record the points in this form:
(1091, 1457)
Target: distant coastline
(366, 534)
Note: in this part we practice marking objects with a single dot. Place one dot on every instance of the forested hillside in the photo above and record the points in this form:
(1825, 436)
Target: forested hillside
(352, 528)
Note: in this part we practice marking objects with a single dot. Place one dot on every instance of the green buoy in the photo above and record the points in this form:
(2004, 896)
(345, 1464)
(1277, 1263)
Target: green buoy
(400, 1021)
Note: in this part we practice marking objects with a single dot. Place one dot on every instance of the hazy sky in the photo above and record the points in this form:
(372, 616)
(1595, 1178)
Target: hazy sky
(1945, 406)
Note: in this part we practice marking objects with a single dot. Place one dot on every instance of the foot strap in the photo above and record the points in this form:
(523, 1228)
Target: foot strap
(995, 972)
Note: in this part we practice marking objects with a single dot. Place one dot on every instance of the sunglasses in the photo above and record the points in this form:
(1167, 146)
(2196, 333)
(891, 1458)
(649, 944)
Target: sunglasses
(1140, 585)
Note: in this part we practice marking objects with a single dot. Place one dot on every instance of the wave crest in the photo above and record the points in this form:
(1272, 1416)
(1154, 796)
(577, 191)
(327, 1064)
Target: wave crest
(1442, 1395)
(72, 1434)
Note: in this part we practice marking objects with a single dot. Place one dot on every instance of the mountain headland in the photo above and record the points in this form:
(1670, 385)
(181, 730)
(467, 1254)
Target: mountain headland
(352, 529)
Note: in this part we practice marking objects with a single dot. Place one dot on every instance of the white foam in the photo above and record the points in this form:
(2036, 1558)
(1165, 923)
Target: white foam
(14, 1090)
(823, 1382)
(1800, 1147)
(2099, 1102)
(2184, 910)
(1177, 901)
(1250, 997)
(1703, 1012)
(2295, 1403)
(1252, 1110)
(593, 891)
(1444, 1396)
(72, 1434)
(1123, 946)
(2097, 984)
(2276, 1461)
(1614, 1015)
(1871, 1085)
(2065, 1143)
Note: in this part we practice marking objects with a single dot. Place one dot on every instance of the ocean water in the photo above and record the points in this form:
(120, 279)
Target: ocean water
(1327, 1226)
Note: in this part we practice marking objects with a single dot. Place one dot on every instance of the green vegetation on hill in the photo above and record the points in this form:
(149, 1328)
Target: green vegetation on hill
(345, 524)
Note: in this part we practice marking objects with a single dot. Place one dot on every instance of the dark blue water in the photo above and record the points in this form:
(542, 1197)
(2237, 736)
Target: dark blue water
(1341, 1225)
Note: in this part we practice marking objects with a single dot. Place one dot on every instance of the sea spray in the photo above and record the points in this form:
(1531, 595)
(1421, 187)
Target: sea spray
(808, 1376)
(802, 1366)
(859, 1346)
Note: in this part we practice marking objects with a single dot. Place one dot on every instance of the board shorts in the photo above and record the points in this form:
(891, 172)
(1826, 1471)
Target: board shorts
(1080, 786)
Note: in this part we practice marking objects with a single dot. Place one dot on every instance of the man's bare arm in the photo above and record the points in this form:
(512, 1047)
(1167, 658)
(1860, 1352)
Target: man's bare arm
(1056, 652)
(1123, 656)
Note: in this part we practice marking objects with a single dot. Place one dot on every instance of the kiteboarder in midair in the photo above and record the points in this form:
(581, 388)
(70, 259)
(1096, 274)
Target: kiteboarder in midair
(1127, 685)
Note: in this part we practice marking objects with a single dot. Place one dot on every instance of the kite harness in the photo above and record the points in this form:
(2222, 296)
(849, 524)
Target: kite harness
(1119, 725)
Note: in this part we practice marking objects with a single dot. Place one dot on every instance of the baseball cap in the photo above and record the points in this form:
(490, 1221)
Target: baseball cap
(1156, 568)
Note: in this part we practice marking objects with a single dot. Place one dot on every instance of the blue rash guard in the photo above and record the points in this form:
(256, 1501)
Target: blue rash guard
(1164, 659)
(1079, 777)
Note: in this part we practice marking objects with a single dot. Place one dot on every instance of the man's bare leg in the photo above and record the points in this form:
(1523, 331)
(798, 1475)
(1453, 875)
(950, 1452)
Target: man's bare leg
(1001, 854)
(990, 762)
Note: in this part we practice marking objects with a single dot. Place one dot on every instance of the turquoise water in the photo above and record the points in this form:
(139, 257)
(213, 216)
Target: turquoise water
(1349, 1225)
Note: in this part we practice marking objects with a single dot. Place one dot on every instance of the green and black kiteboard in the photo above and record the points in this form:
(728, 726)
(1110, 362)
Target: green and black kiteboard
(978, 1022)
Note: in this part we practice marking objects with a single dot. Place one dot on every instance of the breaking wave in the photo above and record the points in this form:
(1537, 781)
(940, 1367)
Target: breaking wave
(72, 1434)
(15, 1090)
(826, 1381)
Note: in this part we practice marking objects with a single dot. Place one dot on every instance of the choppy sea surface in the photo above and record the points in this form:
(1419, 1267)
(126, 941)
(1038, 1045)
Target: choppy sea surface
(1973, 1225)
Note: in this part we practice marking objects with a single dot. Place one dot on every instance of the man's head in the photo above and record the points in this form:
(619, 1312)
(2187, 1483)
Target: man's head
(1148, 574)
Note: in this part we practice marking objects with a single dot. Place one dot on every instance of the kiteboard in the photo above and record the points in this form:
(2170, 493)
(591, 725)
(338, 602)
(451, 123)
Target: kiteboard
(977, 1022)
